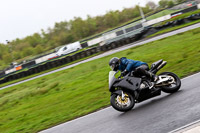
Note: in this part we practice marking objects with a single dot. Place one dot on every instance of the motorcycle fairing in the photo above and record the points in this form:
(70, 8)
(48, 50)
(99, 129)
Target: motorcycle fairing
(131, 83)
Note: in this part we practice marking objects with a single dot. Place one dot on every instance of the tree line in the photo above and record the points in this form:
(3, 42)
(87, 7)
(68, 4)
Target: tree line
(66, 32)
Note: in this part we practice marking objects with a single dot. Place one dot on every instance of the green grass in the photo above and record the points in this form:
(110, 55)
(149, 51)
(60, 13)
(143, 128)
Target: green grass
(49, 70)
(160, 14)
(71, 93)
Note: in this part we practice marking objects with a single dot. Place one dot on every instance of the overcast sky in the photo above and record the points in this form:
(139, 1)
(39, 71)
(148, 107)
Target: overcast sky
(20, 18)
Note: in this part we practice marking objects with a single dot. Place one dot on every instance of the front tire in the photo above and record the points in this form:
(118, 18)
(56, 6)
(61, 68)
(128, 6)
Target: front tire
(122, 105)
(175, 84)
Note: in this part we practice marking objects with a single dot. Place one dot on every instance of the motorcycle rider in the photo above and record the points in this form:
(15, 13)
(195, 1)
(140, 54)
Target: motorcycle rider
(127, 65)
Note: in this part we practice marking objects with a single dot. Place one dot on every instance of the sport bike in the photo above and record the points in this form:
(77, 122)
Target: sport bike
(131, 89)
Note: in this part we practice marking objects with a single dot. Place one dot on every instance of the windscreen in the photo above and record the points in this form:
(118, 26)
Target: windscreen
(111, 76)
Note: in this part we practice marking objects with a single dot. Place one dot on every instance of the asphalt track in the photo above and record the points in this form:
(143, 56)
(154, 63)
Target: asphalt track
(141, 42)
(161, 114)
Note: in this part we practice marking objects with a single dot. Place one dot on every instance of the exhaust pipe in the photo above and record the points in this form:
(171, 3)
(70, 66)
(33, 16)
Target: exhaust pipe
(160, 66)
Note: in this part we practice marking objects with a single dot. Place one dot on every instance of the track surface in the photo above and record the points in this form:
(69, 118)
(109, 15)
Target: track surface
(141, 42)
(161, 114)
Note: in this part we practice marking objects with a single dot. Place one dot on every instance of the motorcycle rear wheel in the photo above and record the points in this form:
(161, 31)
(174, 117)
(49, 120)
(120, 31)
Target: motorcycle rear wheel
(122, 105)
(174, 86)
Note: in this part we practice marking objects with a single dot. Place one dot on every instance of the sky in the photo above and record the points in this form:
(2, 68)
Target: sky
(20, 18)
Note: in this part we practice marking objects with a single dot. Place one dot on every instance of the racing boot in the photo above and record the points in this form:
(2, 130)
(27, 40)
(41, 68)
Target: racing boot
(155, 78)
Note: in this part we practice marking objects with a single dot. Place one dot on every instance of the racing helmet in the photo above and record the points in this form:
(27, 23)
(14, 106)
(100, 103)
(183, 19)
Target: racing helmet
(114, 63)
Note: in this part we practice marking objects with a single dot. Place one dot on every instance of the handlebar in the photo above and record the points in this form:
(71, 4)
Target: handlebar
(120, 76)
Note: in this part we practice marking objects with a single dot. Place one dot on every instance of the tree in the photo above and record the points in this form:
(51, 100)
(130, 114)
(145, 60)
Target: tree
(33, 40)
(170, 3)
(7, 58)
(180, 1)
(111, 19)
(163, 3)
(16, 55)
(91, 24)
(62, 26)
(3, 49)
(38, 49)
(151, 5)
(78, 28)
(136, 12)
(27, 51)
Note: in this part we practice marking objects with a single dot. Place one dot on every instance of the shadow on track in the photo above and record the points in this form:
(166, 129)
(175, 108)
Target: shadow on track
(151, 103)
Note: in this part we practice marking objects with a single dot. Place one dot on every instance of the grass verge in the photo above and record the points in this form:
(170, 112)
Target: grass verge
(49, 70)
(160, 14)
(71, 93)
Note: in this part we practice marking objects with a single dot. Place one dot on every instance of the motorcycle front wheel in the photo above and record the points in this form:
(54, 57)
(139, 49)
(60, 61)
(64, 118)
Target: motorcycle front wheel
(120, 104)
(173, 85)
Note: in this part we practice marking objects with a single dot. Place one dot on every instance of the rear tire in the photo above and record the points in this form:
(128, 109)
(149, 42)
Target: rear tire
(173, 87)
(122, 105)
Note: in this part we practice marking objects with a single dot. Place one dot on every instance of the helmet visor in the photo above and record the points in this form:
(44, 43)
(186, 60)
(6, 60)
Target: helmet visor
(113, 67)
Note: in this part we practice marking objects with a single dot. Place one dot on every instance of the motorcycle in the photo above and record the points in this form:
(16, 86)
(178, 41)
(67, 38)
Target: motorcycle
(131, 89)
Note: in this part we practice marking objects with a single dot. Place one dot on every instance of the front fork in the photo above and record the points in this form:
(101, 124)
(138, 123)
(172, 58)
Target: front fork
(121, 93)
(123, 96)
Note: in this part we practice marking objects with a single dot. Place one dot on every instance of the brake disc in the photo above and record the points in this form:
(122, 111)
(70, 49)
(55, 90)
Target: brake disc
(125, 102)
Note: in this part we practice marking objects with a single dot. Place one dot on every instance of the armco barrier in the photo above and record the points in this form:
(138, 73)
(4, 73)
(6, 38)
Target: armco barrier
(178, 22)
(2, 73)
(103, 48)
(83, 54)
(47, 66)
(76, 56)
(39, 68)
(63, 61)
(10, 78)
(32, 70)
(122, 41)
(185, 10)
(57, 62)
(168, 24)
(54, 63)
(73, 58)
(109, 47)
(44, 67)
(117, 44)
(132, 38)
(88, 53)
(138, 36)
(194, 17)
(5, 80)
(31, 63)
(113, 45)
(159, 27)
(60, 62)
